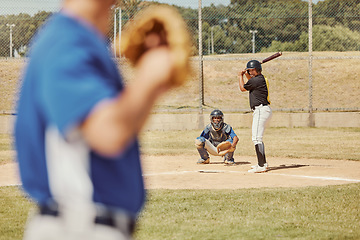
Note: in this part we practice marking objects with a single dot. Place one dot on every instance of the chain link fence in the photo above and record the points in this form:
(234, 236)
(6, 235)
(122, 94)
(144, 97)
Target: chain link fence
(323, 77)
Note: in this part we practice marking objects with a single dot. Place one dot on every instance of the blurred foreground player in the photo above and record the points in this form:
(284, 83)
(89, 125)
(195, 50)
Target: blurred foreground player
(77, 125)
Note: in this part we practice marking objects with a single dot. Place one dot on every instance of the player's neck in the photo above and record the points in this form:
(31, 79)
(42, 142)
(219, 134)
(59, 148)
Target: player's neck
(95, 12)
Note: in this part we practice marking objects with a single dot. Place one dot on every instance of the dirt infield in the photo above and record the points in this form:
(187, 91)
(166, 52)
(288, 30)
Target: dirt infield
(182, 172)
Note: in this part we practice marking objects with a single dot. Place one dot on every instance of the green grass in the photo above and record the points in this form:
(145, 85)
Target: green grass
(5, 142)
(14, 210)
(270, 213)
(6, 148)
(302, 142)
(323, 143)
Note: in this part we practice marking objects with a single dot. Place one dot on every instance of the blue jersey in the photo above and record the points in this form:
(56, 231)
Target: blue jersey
(70, 71)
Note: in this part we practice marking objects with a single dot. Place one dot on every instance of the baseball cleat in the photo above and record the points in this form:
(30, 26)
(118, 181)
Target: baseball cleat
(266, 165)
(227, 161)
(202, 161)
(258, 169)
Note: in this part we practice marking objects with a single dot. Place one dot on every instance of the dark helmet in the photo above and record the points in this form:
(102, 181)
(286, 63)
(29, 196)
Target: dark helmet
(217, 113)
(254, 64)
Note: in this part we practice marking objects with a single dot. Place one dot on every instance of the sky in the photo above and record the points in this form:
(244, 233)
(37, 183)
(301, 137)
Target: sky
(193, 3)
(34, 6)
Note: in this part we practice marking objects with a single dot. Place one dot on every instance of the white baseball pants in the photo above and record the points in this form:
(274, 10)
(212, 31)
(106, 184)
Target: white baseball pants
(44, 227)
(261, 116)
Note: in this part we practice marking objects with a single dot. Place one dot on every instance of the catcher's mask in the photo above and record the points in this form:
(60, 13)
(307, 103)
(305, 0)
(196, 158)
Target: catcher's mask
(254, 64)
(214, 115)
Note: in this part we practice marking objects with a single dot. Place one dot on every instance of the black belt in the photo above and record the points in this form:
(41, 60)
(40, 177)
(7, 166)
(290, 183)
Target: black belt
(253, 108)
(104, 217)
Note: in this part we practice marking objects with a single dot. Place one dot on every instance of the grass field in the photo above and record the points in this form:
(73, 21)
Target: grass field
(304, 213)
(330, 212)
(272, 213)
(325, 143)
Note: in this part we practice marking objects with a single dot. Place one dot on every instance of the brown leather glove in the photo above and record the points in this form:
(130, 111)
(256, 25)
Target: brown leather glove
(224, 147)
(155, 26)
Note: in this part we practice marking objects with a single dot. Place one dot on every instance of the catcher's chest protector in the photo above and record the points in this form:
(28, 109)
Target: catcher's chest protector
(219, 136)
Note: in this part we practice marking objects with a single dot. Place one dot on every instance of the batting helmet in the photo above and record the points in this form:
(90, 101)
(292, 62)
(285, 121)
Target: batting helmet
(217, 113)
(254, 64)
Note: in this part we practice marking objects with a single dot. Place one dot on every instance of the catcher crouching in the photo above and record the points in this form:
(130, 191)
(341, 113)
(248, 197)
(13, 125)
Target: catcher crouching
(218, 139)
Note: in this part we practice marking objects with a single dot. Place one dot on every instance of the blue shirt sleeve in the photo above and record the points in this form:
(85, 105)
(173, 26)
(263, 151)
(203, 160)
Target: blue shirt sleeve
(72, 86)
(205, 133)
(232, 134)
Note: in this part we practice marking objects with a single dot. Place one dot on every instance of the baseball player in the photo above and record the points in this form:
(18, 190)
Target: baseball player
(258, 88)
(77, 125)
(215, 133)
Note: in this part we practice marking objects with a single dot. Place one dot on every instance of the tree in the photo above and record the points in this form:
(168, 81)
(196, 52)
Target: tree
(336, 12)
(25, 28)
(325, 38)
(130, 7)
(278, 20)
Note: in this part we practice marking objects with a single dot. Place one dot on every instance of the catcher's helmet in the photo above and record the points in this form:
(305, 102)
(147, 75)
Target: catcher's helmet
(254, 64)
(217, 113)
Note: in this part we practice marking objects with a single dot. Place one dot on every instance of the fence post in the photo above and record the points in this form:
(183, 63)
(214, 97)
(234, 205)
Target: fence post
(201, 76)
(11, 44)
(114, 41)
(120, 29)
(311, 115)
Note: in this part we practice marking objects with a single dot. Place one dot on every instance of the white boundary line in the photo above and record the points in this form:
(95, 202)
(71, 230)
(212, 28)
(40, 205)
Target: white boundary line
(322, 178)
(224, 171)
(278, 174)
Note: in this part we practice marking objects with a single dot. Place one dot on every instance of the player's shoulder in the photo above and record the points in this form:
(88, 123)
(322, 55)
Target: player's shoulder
(259, 77)
(207, 128)
(227, 128)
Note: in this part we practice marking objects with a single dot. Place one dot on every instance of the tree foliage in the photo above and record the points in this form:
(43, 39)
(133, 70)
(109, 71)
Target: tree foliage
(22, 32)
(281, 25)
(325, 38)
(130, 7)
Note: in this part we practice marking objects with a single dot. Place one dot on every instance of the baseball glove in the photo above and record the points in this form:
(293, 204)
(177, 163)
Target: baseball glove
(169, 27)
(224, 147)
